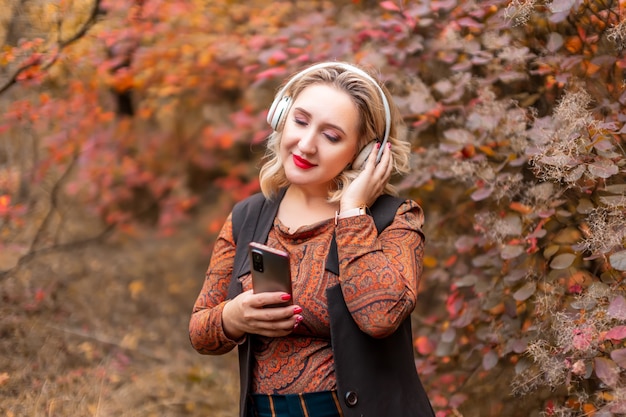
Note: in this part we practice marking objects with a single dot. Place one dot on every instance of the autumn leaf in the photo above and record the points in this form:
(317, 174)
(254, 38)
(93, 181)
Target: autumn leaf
(424, 345)
(616, 333)
(526, 291)
(562, 261)
(389, 5)
(490, 360)
(618, 260)
(136, 287)
(606, 370)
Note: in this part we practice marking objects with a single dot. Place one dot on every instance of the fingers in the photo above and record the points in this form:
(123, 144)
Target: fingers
(275, 321)
(259, 314)
(265, 299)
(381, 172)
(371, 181)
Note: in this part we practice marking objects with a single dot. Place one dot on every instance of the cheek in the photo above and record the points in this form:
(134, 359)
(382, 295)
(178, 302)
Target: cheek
(285, 145)
(287, 139)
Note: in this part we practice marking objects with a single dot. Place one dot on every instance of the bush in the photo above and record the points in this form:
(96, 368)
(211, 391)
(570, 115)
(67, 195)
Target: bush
(515, 113)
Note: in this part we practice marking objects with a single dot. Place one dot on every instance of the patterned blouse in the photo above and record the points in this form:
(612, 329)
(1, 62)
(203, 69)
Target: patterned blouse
(379, 276)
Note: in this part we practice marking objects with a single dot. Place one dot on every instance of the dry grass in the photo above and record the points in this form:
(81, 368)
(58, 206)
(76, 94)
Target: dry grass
(102, 331)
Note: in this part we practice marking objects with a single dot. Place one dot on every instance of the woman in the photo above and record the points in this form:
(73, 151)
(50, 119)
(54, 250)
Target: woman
(343, 346)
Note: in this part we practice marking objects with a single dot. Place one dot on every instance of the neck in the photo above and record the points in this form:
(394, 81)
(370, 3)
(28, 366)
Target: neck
(308, 196)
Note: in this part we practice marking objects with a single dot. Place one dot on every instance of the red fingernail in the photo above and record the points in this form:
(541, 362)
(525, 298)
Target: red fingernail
(297, 310)
(377, 145)
(285, 297)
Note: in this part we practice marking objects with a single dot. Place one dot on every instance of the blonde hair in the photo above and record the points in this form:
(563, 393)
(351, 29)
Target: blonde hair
(372, 124)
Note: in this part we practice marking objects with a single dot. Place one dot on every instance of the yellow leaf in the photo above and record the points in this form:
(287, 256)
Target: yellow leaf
(429, 186)
(4, 377)
(130, 341)
(487, 150)
(87, 349)
(136, 287)
(205, 58)
(430, 262)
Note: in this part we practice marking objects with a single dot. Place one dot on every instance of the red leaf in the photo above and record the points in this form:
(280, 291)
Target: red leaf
(389, 5)
(616, 333)
(617, 308)
(270, 73)
(454, 304)
(423, 345)
(607, 371)
(481, 193)
(40, 295)
(619, 356)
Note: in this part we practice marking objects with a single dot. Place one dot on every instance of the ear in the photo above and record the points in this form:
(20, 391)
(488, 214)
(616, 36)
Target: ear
(361, 158)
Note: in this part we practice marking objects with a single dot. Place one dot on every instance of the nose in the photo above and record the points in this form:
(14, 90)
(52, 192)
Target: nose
(306, 143)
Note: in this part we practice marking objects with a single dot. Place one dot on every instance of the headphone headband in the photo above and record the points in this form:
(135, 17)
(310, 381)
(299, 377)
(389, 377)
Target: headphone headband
(281, 102)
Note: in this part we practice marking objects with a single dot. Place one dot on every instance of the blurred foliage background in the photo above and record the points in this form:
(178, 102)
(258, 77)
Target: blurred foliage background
(129, 128)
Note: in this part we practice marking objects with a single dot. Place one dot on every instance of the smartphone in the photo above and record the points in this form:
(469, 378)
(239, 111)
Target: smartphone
(270, 270)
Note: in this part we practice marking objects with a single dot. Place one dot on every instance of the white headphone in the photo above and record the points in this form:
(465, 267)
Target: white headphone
(280, 105)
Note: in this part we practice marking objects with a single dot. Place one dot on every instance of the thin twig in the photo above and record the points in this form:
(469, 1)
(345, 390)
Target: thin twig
(54, 202)
(59, 248)
(59, 47)
(106, 341)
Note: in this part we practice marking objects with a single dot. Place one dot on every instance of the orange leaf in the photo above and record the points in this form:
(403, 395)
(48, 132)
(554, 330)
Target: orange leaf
(423, 345)
(430, 262)
(487, 150)
(136, 287)
(590, 67)
(520, 208)
(573, 44)
(4, 377)
(5, 201)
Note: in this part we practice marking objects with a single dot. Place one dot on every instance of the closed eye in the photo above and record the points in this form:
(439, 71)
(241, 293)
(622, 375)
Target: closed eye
(331, 138)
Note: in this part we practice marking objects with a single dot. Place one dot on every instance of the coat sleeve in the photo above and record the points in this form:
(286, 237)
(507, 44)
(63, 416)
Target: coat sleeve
(379, 275)
(206, 332)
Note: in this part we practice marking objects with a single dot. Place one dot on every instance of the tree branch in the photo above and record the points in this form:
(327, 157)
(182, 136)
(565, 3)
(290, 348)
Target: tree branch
(54, 200)
(58, 248)
(93, 16)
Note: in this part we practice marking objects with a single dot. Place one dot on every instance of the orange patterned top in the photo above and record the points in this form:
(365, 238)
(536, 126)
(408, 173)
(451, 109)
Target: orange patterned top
(379, 277)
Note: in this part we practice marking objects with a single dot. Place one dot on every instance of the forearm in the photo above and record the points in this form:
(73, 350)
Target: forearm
(206, 332)
(379, 274)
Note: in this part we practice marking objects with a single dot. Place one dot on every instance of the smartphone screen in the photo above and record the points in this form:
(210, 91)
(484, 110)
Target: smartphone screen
(270, 269)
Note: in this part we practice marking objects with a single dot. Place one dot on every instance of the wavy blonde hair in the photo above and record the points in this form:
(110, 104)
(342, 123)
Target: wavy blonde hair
(372, 123)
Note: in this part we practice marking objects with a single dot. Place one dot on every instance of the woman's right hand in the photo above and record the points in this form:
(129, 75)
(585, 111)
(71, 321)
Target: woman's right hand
(247, 313)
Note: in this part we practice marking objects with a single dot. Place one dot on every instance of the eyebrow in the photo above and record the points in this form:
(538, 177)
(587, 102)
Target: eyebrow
(334, 126)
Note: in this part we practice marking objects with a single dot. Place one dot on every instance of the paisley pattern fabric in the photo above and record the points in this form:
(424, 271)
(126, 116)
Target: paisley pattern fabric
(379, 277)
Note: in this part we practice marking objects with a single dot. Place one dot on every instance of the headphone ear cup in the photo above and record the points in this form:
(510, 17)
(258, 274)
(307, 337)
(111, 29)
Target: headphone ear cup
(362, 157)
(278, 108)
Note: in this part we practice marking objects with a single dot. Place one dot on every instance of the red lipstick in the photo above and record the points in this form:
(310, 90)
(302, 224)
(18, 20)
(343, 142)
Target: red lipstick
(302, 163)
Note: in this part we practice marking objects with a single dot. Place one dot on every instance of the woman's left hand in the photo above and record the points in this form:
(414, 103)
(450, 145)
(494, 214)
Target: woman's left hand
(371, 182)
